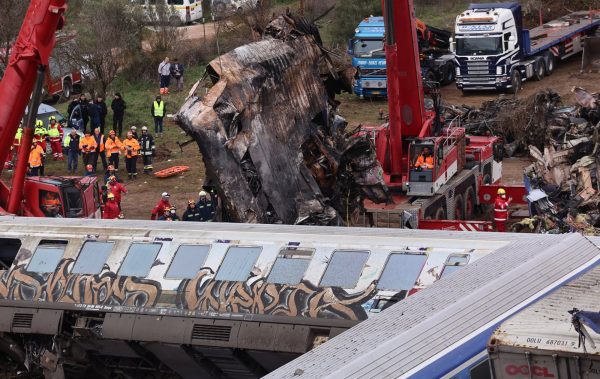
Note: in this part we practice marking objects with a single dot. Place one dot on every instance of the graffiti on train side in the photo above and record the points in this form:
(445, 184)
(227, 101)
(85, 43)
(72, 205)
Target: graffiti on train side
(259, 297)
(106, 288)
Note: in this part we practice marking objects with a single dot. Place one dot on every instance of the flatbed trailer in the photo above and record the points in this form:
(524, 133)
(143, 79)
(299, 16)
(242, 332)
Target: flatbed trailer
(494, 52)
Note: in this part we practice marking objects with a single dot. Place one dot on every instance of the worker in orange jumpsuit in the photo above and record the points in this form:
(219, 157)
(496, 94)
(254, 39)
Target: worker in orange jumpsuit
(132, 150)
(116, 189)
(87, 145)
(50, 204)
(111, 209)
(160, 208)
(55, 134)
(36, 156)
(113, 146)
(501, 210)
(425, 160)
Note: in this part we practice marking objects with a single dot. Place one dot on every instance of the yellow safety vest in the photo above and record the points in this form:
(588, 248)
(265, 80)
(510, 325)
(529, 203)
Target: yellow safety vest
(53, 132)
(159, 109)
(19, 135)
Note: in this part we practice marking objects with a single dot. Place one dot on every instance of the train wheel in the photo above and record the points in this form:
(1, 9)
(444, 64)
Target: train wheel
(469, 204)
(459, 208)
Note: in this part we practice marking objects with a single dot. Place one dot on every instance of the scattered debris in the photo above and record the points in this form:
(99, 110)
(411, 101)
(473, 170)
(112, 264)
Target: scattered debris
(270, 137)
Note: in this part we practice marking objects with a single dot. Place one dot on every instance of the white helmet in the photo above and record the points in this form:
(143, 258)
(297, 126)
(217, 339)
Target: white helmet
(202, 193)
(144, 128)
(165, 194)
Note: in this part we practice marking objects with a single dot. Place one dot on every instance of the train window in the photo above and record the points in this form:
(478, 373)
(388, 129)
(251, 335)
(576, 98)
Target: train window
(188, 261)
(481, 371)
(47, 256)
(238, 263)
(454, 263)
(401, 271)
(9, 247)
(92, 257)
(344, 269)
(139, 259)
(290, 266)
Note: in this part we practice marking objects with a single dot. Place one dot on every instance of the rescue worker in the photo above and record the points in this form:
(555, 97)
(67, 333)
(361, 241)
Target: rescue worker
(132, 148)
(55, 134)
(13, 153)
(99, 152)
(110, 171)
(111, 209)
(191, 213)
(134, 133)
(50, 204)
(89, 170)
(72, 149)
(113, 146)
(501, 210)
(36, 159)
(147, 149)
(87, 145)
(205, 208)
(116, 189)
(425, 160)
(40, 133)
(158, 112)
(160, 208)
(170, 215)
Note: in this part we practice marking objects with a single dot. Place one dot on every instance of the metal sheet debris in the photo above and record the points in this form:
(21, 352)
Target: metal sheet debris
(270, 138)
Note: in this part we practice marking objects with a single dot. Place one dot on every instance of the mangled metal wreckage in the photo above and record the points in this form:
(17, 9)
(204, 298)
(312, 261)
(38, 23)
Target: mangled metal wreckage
(270, 138)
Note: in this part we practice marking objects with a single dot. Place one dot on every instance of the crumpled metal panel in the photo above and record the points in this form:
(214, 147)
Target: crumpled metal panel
(268, 101)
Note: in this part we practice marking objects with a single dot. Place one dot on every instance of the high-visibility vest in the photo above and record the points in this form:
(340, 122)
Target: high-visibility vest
(159, 109)
(53, 133)
(35, 157)
(501, 209)
(113, 147)
(40, 131)
(135, 147)
(100, 142)
(18, 136)
(90, 142)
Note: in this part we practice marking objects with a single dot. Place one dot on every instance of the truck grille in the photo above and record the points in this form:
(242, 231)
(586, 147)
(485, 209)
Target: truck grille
(478, 67)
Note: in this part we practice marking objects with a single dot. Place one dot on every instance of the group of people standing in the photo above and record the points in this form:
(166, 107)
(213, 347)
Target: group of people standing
(82, 112)
(202, 210)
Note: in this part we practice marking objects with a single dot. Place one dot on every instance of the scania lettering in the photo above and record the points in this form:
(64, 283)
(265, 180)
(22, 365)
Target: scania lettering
(494, 52)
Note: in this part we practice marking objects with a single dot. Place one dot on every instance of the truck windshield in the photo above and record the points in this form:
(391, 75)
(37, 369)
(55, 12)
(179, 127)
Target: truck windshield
(368, 48)
(479, 46)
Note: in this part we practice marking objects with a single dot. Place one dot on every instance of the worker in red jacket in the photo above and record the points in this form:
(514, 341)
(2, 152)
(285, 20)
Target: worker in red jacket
(111, 209)
(161, 207)
(501, 210)
(116, 189)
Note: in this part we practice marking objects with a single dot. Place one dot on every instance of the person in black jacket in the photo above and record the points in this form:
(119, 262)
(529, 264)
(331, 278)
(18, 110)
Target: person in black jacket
(118, 107)
(83, 104)
(191, 213)
(103, 112)
(146, 149)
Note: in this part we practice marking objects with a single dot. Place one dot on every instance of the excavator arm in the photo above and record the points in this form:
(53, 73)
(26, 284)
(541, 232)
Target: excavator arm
(29, 55)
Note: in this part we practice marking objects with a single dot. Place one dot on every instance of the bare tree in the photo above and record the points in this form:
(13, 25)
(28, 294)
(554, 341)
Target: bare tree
(11, 18)
(108, 33)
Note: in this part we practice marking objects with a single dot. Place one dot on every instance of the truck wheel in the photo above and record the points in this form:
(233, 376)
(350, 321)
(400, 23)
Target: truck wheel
(447, 74)
(459, 208)
(67, 89)
(515, 79)
(469, 204)
(550, 63)
(539, 69)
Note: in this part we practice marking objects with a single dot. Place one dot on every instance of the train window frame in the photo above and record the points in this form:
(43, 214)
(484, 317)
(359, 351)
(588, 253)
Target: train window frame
(221, 271)
(180, 277)
(291, 253)
(349, 283)
(128, 256)
(94, 254)
(402, 253)
(51, 245)
(9, 248)
(468, 259)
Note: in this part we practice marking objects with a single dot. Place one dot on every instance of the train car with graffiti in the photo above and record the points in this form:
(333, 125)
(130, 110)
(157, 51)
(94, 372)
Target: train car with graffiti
(202, 300)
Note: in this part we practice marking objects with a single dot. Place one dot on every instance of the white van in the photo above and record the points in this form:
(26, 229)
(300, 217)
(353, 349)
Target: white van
(187, 10)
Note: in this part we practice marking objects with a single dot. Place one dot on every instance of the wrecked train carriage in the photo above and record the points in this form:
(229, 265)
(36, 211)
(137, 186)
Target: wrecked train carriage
(266, 129)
